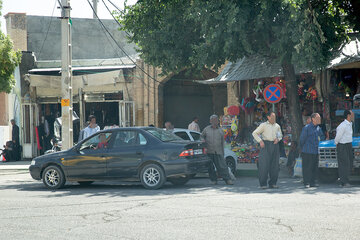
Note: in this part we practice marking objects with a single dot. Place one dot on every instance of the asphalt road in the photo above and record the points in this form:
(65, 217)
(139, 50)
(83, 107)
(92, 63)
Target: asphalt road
(198, 210)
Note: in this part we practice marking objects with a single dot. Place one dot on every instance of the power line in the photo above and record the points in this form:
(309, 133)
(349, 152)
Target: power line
(127, 55)
(114, 16)
(47, 32)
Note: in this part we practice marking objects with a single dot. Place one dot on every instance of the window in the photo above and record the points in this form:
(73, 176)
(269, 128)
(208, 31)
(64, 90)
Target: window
(163, 135)
(196, 136)
(98, 141)
(129, 138)
(183, 135)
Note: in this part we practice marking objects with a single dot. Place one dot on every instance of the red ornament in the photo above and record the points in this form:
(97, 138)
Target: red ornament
(233, 110)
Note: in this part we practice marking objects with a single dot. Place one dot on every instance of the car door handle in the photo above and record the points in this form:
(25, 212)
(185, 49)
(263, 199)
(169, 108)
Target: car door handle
(138, 153)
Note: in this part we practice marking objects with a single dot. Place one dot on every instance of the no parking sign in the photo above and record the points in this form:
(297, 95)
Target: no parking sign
(273, 93)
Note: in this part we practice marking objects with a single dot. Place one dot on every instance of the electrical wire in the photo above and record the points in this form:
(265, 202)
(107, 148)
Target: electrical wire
(114, 17)
(47, 32)
(126, 54)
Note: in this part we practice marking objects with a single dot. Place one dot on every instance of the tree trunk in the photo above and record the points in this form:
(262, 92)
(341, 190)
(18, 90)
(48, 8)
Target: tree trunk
(293, 100)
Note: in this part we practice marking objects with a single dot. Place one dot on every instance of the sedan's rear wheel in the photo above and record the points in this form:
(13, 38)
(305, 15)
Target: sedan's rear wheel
(53, 177)
(230, 162)
(152, 176)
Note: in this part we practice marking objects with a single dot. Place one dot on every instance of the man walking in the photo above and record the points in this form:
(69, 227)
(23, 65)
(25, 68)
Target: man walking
(214, 139)
(343, 141)
(268, 134)
(309, 145)
(194, 126)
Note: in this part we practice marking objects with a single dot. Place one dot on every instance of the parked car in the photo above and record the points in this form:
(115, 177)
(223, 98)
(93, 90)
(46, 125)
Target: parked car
(150, 155)
(230, 156)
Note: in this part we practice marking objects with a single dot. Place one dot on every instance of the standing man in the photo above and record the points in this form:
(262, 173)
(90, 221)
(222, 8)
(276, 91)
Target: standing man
(194, 126)
(16, 140)
(343, 141)
(92, 128)
(169, 126)
(214, 139)
(309, 145)
(268, 134)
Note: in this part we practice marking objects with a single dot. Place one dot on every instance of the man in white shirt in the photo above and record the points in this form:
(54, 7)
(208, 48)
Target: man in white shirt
(343, 141)
(268, 134)
(92, 128)
(194, 126)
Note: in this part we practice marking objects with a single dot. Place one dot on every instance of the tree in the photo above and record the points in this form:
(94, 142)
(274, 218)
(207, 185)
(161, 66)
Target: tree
(180, 34)
(9, 60)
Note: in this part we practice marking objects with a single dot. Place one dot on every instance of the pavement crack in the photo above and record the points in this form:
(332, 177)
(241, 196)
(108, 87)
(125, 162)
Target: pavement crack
(278, 222)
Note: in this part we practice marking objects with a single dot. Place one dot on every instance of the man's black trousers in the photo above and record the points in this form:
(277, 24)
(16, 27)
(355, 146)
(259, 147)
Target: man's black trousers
(345, 161)
(268, 164)
(310, 163)
(218, 161)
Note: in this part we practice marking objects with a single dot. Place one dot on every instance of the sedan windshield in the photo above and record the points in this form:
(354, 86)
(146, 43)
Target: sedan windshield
(163, 135)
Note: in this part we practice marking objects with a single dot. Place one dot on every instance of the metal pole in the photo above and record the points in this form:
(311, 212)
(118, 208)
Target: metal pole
(81, 108)
(66, 79)
(95, 2)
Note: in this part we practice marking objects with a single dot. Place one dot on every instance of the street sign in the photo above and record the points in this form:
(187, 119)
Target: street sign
(65, 102)
(273, 93)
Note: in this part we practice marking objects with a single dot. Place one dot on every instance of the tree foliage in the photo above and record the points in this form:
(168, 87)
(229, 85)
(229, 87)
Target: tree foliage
(9, 60)
(177, 34)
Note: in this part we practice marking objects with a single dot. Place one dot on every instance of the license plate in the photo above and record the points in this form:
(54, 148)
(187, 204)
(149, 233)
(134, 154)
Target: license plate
(331, 165)
(198, 151)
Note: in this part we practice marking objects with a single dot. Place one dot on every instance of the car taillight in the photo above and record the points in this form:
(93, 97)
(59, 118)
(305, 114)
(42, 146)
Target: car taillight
(204, 151)
(187, 153)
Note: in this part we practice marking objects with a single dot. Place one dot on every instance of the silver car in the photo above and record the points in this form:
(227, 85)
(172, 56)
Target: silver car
(230, 156)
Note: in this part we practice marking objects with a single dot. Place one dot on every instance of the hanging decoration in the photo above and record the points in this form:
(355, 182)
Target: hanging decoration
(258, 91)
(311, 94)
(233, 110)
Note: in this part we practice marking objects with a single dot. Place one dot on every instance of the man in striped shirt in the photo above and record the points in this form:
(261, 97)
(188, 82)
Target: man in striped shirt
(309, 145)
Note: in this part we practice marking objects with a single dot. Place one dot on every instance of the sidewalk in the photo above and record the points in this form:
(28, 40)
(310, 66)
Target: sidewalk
(18, 165)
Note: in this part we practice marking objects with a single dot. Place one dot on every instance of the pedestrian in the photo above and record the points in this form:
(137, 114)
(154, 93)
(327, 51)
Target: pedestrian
(268, 134)
(169, 126)
(81, 133)
(291, 159)
(92, 128)
(194, 126)
(16, 141)
(343, 141)
(213, 136)
(309, 145)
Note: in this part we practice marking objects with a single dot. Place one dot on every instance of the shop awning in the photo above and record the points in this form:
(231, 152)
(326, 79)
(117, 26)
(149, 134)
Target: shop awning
(80, 70)
(348, 55)
(253, 67)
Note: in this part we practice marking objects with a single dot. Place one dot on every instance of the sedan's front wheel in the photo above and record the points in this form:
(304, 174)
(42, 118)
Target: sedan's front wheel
(152, 176)
(53, 177)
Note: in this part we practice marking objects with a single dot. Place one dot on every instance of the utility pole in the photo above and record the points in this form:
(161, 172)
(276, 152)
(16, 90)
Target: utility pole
(95, 3)
(66, 77)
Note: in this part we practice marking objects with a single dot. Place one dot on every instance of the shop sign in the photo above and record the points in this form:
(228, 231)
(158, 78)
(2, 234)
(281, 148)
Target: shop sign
(273, 93)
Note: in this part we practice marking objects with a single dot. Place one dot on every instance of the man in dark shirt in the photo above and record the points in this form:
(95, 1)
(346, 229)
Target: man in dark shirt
(16, 140)
(309, 142)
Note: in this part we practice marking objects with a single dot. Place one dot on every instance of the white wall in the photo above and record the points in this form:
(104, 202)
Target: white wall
(4, 135)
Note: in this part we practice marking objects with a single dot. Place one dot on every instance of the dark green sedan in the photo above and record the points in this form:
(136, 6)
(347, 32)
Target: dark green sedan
(149, 155)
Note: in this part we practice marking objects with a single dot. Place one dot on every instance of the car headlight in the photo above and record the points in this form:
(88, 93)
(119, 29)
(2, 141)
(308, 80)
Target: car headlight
(32, 162)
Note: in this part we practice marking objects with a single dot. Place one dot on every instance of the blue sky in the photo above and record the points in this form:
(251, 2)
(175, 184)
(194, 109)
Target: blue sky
(80, 8)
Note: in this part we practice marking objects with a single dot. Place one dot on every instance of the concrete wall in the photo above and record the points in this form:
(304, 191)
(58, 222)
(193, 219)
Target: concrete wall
(89, 40)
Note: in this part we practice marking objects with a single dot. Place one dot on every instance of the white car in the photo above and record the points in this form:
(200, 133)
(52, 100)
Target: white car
(230, 156)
